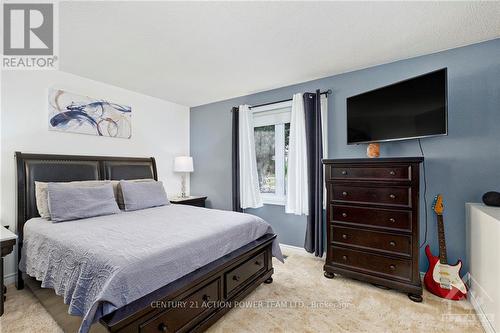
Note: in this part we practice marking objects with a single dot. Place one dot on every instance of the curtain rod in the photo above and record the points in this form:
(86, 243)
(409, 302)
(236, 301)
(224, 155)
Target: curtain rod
(328, 92)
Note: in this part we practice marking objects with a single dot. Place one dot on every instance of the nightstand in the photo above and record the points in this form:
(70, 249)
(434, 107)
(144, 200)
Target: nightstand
(7, 242)
(197, 201)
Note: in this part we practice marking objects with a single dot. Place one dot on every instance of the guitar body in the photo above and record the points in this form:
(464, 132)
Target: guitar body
(444, 280)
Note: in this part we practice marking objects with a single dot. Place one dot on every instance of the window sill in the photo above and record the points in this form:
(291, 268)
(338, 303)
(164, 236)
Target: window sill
(273, 200)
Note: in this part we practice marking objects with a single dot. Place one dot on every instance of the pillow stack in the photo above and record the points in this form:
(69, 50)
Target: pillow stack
(83, 199)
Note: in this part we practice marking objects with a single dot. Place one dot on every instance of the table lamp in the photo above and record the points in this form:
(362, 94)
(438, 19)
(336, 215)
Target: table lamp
(183, 164)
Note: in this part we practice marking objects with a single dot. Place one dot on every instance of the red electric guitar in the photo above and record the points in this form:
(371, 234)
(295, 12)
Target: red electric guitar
(442, 279)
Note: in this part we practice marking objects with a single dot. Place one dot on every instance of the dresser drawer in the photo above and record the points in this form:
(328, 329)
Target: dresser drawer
(395, 173)
(370, 263)
(188, 309)
(245, 272)
(372, 240)
(387, 195)
(373, 217)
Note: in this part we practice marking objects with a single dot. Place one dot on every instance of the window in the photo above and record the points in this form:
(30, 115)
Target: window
(272, 133)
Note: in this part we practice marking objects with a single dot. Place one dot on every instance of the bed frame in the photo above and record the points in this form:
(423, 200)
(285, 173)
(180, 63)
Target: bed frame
(191, 303)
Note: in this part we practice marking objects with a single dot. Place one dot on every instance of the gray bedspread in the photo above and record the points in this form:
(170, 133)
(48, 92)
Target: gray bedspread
(102, 263)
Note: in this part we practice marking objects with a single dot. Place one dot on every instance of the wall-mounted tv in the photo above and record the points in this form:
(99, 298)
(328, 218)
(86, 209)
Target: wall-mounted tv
(409, 109)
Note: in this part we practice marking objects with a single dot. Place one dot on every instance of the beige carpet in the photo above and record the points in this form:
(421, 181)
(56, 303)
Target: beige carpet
(299, 300)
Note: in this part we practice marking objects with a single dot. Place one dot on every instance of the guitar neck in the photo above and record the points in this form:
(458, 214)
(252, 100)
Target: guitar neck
(442, 242)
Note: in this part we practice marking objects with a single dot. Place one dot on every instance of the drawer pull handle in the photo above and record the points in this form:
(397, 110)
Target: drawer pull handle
(392, 173)
(392, 220)
(344, 194)
(392, 267)
(392, 196)
(344, 214)
(344, 258)
(205, 298)
(258, 263)
(392, 243)
(344, 236)
(236, 277)
(344, 172)
(162, 327)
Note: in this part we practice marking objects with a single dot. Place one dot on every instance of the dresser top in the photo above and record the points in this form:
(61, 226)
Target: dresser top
(489, 210)
(6, 234)
(375, 160)
(188, 198)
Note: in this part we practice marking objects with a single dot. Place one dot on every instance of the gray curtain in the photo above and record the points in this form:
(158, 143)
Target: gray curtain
(315, 225)
(235, 161)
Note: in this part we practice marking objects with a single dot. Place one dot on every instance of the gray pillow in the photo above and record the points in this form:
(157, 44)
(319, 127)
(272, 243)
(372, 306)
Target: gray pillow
(71, 202)
(118, 191)
(41, 195)
(140, 195)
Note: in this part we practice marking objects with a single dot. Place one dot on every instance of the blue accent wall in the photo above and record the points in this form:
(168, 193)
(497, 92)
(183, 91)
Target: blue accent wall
(461, 166)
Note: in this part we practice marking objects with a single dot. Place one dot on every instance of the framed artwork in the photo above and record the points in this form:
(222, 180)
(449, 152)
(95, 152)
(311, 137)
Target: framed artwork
(69, 112)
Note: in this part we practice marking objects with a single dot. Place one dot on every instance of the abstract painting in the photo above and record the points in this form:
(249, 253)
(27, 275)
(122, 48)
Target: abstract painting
(70, 112)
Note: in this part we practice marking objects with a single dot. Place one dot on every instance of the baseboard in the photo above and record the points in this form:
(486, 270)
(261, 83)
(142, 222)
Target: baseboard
(297, 249)
(294, 248)
(9, 278)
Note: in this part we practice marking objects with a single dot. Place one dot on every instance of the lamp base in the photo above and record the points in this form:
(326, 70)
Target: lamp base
(183, 186)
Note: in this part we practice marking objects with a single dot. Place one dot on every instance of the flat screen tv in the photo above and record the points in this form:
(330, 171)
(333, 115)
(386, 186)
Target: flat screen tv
(409, 109)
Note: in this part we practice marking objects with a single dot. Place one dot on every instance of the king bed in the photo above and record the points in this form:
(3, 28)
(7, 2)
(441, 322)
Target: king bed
(161, 269)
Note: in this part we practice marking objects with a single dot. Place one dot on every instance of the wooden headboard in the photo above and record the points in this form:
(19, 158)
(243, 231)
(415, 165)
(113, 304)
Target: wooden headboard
(65, 168)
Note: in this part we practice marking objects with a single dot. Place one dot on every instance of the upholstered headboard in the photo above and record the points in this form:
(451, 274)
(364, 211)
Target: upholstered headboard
(62, 168)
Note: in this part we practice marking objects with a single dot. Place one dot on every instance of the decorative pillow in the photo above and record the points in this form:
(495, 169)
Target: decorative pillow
(41, 197)
(71, 202)
(140, 195)
(118, 191)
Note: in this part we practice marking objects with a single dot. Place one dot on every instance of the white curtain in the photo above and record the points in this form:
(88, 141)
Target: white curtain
(324, 124)
(297, 195)
(249, 180)
(297, 181)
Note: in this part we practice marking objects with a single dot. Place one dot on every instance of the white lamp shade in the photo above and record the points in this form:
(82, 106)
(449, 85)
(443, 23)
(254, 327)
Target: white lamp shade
(183, 164)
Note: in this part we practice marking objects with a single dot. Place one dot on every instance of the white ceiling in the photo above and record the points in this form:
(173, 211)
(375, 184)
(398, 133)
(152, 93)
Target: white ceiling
(194, 53)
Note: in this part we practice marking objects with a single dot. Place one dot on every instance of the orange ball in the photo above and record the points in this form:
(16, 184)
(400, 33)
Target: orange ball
(373, 150)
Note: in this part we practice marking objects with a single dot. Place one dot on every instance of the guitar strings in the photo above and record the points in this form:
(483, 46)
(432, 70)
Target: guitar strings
(425, 194)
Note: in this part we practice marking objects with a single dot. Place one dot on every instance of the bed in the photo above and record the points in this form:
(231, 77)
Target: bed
(163, 269)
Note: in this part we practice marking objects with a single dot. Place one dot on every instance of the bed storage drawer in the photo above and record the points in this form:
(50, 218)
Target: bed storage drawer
(245, 272)
(184, 311)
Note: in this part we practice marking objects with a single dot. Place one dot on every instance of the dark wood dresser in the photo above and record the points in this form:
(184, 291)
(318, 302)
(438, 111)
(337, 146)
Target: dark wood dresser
(372, 221)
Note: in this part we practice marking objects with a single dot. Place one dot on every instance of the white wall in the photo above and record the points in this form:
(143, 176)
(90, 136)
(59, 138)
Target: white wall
(159, 129)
